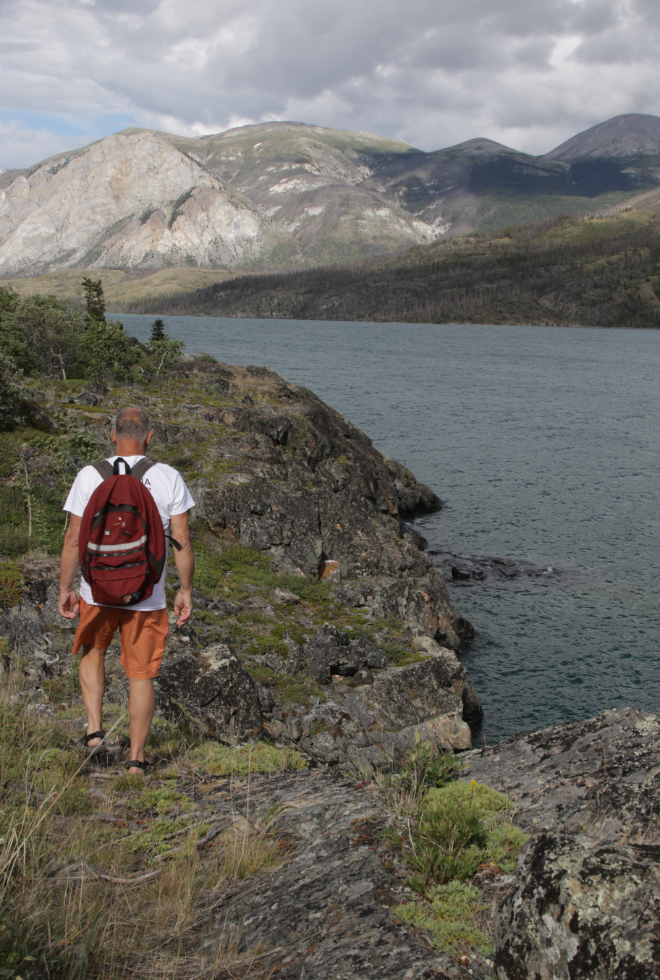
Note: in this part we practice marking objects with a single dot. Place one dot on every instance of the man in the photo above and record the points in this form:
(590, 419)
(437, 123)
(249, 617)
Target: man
(143, 627)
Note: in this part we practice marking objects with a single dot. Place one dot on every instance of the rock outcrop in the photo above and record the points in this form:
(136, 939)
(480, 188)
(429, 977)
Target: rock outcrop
(368, 713)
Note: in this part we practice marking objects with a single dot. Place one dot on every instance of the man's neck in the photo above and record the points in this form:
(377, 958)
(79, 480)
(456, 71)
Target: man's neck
(131, 448)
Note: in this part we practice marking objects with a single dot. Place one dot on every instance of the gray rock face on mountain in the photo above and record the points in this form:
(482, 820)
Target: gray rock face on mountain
(128, 200)
(586, 900)
(259, 194)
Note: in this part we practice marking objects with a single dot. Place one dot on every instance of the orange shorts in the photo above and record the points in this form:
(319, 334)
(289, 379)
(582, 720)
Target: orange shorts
(142, 634)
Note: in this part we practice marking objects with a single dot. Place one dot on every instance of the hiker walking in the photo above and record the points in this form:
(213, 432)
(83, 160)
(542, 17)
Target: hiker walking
(122, 510)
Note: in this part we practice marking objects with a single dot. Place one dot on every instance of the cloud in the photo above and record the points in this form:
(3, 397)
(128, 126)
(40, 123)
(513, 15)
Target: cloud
(433, 73)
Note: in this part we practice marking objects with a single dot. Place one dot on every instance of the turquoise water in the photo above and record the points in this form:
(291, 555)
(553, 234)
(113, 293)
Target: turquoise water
(544, 445)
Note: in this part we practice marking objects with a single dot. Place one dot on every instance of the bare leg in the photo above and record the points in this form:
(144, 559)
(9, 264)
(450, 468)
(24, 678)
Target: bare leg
(92, 682)
(141, 704)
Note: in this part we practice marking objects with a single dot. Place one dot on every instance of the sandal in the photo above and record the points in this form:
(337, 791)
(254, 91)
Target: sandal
(94, 749)
(136, 764)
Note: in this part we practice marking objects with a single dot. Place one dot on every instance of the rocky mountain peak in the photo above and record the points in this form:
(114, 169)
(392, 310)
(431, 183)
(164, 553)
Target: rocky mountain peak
(631, 134)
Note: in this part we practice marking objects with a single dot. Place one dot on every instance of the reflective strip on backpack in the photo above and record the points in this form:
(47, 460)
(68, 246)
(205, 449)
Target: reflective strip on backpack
(117, 547)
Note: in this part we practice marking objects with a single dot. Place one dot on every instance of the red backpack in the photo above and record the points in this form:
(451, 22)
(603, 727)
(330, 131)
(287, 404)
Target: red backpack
(122, 541)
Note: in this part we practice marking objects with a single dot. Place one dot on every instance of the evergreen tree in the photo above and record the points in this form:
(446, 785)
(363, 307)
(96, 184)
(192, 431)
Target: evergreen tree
(94, 301)
(157, 331)
(10, 394)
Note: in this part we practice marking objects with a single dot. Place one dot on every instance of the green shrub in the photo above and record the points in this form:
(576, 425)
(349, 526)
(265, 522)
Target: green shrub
(109, 352)
(449, 841)
(10, 582)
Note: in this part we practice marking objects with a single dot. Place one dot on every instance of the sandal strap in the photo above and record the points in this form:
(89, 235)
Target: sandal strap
(87, 738)
(136, 764)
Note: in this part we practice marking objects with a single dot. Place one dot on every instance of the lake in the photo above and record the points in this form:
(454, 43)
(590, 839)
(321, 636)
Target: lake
(543, 443)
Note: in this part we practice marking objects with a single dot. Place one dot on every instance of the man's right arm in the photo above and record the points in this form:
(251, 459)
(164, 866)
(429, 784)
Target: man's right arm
(185, 566)
(68, 603)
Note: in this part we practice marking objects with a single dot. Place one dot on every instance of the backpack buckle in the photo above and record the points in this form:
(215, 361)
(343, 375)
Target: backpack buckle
(115, 467)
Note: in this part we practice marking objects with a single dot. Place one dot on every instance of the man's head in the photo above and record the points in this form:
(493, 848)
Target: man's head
(132, 432)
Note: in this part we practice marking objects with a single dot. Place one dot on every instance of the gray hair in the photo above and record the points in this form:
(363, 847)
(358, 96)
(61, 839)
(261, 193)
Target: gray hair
(132, 423)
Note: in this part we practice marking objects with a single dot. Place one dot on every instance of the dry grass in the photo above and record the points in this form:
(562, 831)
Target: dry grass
(104, 877)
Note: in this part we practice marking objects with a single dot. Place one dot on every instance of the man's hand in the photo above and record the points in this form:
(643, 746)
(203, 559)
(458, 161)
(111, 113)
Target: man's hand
(183, 607)
(68, 604)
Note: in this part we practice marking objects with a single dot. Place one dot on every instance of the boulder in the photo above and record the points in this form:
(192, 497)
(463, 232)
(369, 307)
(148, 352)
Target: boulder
(581, 908)
(213, 690)
(284, 597)
(296, 659)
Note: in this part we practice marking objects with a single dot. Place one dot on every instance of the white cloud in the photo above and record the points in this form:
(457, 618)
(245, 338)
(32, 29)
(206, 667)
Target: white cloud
(433, 73)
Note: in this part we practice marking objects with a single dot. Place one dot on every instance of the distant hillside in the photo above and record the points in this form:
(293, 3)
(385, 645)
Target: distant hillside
(287, 195)
(589, 271)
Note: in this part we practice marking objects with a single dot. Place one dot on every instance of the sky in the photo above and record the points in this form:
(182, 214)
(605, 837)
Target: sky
(527, 73)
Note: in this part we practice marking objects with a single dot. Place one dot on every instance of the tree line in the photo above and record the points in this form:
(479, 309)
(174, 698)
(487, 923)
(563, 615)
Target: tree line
(609, 279)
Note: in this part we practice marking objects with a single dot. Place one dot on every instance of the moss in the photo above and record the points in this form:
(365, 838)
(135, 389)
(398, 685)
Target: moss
(452, 918)
(221, 760)
(161, 800)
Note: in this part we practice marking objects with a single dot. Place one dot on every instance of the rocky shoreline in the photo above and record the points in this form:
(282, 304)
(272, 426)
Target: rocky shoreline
(322, 625)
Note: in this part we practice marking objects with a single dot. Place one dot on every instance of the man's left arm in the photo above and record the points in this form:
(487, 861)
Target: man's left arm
(68, 602)
(185, 566)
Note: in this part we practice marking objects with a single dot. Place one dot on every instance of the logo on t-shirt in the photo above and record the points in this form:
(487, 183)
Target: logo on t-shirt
(147, 482)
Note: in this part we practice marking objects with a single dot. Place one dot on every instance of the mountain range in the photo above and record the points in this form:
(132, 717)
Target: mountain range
(288, 195)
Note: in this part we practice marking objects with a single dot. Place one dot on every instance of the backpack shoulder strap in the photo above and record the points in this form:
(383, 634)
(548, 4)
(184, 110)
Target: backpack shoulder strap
(141, 467)
(103, 468)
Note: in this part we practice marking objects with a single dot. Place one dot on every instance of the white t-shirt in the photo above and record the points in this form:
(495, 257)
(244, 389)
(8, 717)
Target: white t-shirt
(171, 496)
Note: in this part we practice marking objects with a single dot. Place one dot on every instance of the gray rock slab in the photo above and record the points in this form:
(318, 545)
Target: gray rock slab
(327, 911)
